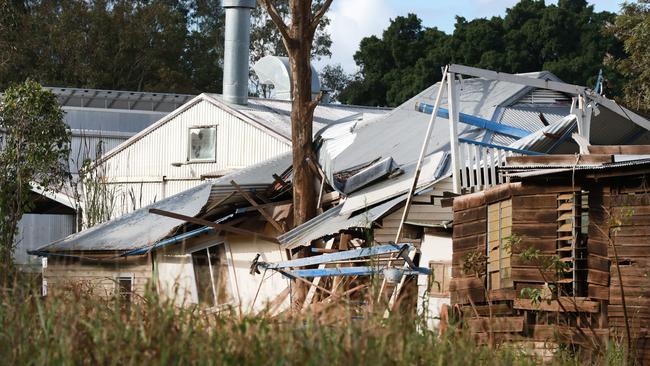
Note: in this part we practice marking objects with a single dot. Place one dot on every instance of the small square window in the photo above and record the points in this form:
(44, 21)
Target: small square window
(124, 287)
(202, 143)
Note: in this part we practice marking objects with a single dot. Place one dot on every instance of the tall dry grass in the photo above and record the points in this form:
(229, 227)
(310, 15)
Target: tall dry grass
(80, 328)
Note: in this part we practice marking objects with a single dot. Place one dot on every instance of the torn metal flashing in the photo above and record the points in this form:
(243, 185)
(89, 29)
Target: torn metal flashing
(369, 175)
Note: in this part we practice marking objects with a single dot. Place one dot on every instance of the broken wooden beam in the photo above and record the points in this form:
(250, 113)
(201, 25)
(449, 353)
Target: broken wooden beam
(222, 227)
(256, 205)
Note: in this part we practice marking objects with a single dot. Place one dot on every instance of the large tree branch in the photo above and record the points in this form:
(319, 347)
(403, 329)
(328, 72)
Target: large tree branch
(319, 15)
(277, 20)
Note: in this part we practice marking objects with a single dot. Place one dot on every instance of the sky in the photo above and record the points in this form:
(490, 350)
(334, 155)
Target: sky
(351, 20)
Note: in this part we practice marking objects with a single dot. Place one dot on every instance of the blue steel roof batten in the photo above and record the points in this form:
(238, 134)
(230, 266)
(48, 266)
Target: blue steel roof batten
(350, 271)
(332, 257)
(401, 249)
(476, 121)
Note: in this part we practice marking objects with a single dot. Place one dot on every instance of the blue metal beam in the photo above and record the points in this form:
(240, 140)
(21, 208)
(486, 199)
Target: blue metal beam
(350, 271)
(476, 121)
(344, 255)
(506, 148)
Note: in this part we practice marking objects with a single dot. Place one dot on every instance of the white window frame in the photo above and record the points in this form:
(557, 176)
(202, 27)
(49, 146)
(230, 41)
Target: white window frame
(231, 273)
(188, 140)
(119, 276)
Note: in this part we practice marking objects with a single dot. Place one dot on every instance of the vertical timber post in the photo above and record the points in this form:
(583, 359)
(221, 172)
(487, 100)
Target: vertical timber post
(452, 102)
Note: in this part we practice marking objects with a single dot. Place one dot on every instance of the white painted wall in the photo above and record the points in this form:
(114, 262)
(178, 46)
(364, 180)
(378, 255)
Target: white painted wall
(435, 248)
(175, 273)
(270, 284)
(145, 167)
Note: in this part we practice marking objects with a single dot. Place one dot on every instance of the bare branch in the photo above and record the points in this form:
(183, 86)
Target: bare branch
(277, 20)
(314, 103)
(319, 15)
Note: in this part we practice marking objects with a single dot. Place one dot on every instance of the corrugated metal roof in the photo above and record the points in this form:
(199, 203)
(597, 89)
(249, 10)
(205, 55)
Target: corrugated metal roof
(119, 99)
(544, 96)
(136, 229)
(271, 116)
(538, 170)
(389, 188)
(399, 133)
(542, 140)
(527, 117)
(582, 167)
(140, 228)
(332, 222)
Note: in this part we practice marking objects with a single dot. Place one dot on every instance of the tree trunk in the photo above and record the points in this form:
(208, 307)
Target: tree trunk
(298, 37)
(302, 112)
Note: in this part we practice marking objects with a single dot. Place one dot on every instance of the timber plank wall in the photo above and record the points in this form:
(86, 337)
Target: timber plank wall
(100, 277)
(618, 212)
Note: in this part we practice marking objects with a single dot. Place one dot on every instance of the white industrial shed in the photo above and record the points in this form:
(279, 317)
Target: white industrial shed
(99, 120)
(206, 138)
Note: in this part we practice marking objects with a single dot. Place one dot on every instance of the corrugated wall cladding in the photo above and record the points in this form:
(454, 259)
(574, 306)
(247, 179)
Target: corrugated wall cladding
(137, 171)
(35, 230)
(128, 197)
(238, 144)
(87, 146)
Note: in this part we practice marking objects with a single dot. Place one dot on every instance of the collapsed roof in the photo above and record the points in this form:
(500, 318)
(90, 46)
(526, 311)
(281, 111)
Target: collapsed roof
(351, 146)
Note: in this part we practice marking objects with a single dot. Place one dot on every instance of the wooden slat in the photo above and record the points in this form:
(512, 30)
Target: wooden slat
(477, 162)
(498, 325)
(578, 305)
(485, 167)
(492, 163)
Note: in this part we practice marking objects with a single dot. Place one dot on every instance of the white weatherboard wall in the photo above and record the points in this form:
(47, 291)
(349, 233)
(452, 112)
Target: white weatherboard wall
(251, 292)
(270, 283)
(142, 172)
(435, 248)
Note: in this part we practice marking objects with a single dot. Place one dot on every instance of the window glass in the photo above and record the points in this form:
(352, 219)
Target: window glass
(440, 278)
(124, 286)
(203, 141)
(212, 276)
(499, 227)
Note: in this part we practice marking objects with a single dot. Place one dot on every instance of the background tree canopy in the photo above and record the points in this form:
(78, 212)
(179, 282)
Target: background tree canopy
(177, 46)
(567, 39)
(145, 45)
(171, 45)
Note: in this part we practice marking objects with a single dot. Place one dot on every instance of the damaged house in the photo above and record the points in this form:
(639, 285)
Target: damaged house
(229, 237)
(559, 255)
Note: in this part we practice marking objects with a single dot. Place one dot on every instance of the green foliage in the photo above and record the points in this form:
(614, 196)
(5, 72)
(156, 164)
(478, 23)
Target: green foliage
(475, 263)
(334, 78)
(114, 44)
(34, 152)
(632, 28)
(545, 263)
(565, 39)
(79, 328)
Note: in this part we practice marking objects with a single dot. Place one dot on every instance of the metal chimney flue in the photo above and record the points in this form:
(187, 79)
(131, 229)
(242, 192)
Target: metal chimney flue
(236, 50)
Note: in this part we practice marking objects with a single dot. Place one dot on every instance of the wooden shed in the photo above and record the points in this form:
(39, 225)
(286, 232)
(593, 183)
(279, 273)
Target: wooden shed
(537, 260)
